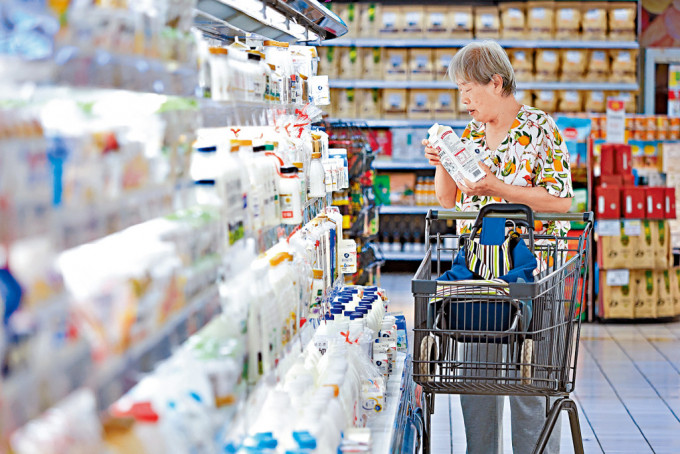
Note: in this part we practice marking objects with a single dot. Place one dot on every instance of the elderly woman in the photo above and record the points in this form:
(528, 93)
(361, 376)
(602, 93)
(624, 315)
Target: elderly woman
(528, 164)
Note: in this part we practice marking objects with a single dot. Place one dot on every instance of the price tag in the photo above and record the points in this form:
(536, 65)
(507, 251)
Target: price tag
(608, 227)
(618, 278)
(632, 227)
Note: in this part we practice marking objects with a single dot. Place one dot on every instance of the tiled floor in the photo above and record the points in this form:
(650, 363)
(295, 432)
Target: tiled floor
(627, 388)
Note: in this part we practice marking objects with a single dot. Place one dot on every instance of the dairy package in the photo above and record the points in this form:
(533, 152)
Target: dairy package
(460, 159)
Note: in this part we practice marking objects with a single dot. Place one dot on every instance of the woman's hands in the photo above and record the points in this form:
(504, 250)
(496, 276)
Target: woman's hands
(489, 185)
(431, 154)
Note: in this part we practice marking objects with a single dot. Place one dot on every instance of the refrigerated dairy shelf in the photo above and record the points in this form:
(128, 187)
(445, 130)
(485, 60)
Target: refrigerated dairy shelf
(431, 84)
(525, 44)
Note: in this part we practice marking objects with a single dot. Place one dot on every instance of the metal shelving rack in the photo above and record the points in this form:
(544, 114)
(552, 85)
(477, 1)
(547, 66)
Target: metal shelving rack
(523, 44)
(436, 84)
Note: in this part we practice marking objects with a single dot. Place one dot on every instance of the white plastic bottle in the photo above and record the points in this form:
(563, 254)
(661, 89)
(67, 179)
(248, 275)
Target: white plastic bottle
(233, 184)
(302, 176)
(256, 189)
(317, 187)
(289, 196)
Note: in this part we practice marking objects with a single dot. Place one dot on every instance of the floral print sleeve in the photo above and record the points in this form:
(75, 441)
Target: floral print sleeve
(552, 161)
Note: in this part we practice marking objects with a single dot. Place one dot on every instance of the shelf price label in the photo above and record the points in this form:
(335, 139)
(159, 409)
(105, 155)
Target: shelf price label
(618, 278)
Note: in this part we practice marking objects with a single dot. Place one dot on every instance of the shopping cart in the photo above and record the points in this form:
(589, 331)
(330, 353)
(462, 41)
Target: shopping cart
(494, 338)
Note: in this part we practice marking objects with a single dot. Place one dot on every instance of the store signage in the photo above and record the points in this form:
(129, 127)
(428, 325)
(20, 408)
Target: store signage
(616, 120)
(618, 278)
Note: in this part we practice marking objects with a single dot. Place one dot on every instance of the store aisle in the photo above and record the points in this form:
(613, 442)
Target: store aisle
(627, 389)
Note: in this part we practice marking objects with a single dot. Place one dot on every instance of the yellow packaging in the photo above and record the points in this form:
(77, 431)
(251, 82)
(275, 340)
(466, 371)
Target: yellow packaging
(594, 21)
(463, 21)
(546, 100)
(570, 101)
(348, 62)
(541, 20)
(598, 66)
(368, 103)
(438, 20)
(547, 64)
(414, 21)
(524, 97)
(675, 289)
(661, 237)
(622, 21)
(444, 104)
(664, 304)
(573, 65)
(487, 23)
(395, 64)
(346, 103)
(629, 99)
(394, 104)
(623, 65)
(567, 20)
(349, 13)
(616, 251)
(420, 104)
(420, 64)
(328, 62)
(594, 101)
(522, 61)
(643, 248)
(369, 19)
(372, 63)
(645, 293)
(442, 60)
(617, 302)
(391, 22)
(513, 20)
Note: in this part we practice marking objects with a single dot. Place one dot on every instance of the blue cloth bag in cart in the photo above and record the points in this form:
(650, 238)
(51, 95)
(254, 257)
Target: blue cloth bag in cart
(511, 257)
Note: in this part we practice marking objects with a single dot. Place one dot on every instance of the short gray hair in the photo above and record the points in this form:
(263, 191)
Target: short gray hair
(479, 62)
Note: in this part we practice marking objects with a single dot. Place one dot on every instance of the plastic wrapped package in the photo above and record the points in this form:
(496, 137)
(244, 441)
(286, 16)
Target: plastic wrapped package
(573, 65)
(463, 21)
(487, 22)
(395, 64)
(546, 100)
(420, 64)
(622, 24)
(368, 103)
(570, 101)
(567, 20)
(547, 64)
(522, 61)
(524, 97)
(594, 101)
(414, 21)
(438, 21)
(444, 104)
(513, 20)
(629, 99)
(597, 66)
(441, 61)
(541, 19)
(328, 61)
(419, 104)
(623, 66)
(346, 107)
(348, 63)
(594, 21)
(391, 22)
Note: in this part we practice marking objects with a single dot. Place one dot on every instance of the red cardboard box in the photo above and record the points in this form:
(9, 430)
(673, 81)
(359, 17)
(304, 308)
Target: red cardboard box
(608, 202)
(633, 202)
(656, 202)
(624, 160)
(611, 180)
(628, 180)
(669, 207)
(607, 157)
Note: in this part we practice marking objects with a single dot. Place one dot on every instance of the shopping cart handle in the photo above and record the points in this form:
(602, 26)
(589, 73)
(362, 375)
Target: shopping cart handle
(472, 215)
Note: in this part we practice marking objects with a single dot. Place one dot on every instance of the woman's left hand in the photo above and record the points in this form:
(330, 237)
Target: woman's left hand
(489, 185)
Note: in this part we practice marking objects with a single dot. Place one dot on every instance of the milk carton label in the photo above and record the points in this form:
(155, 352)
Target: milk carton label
(460, 160)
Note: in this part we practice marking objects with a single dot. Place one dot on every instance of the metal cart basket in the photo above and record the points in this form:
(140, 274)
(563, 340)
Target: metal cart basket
(495, 338)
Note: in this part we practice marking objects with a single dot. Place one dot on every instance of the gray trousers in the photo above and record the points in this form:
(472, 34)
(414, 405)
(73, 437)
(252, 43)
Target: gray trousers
(483, 415)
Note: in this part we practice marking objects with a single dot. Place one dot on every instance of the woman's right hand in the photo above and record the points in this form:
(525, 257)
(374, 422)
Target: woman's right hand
(431, 154)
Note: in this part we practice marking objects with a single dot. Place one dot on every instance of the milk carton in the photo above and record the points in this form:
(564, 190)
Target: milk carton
(460, 159)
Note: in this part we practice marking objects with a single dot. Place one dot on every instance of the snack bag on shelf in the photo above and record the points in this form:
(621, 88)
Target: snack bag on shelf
(513, 20)
(371, 63)
(623, 66)
(665, 306)
(442, 60)
(487, 23)
(463, 21)
(394, 104)
(368, 103)
(444, 104)
(646, 293)
(414, 21)
(567, 20)
(594, 101)
(420, 104)
(395, 64)
(547, 65)
(598, 66)
(420, 64)
(570, 101)
(617, 301)
(369, 19)
(540, 19)
(348, 63)
(594, 21)
(346, 106)
(523, 63)
(328, 61)
(546, 100)
(629, 99)
(622, 22)
(438, 20)
(391, 22)
(573, 65)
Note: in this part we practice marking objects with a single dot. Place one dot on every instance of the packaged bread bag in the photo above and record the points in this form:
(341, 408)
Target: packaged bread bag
(371, 63)
(623, 65)
(438, 21)
(567, 20)
(369, 19)
(420, 104)
(463, 21)
(394, 103)
(573, 65)
(414, 21)
(487, 23)
(442, 60)
(570, 101)
(522, 61)
(513, 20)
(524, 97)
(541, 19)
(597, 69)
(546, 100)
(622, 22)
(594, 101)
(594, 21)
(629, 99)
(547, 65)
(391, 22)
(395, 63)
(420, 64)
(444, 104)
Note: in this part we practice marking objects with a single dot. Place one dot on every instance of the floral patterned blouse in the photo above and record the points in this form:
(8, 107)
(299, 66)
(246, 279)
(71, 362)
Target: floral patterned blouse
(532, 154)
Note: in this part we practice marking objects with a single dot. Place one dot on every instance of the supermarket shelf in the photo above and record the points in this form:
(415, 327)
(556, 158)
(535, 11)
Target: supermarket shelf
(396, 209)
(428, 84)
(525, 44)
(217, 114)
(383, 426)
(402, 165)
(410, 256)
(398, 123)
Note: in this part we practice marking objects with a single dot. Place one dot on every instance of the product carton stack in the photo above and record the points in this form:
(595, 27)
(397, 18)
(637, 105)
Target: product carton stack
(637, 279)
(671, 167)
